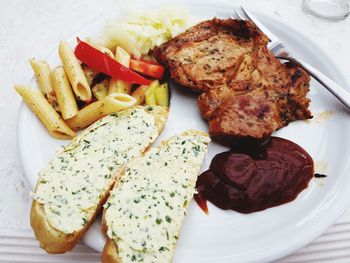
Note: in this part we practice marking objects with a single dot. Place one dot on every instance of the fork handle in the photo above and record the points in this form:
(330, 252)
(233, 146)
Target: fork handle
(339, 92)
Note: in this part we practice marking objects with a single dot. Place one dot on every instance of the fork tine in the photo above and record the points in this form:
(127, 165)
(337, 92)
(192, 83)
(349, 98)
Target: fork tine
(262, 28)
(233, 15)
(239, 15)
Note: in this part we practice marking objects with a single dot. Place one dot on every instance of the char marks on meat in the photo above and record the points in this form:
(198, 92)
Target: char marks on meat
(245, 91)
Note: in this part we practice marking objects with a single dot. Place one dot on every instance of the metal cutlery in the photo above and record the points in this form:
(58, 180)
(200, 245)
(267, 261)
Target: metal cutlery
(280, 51)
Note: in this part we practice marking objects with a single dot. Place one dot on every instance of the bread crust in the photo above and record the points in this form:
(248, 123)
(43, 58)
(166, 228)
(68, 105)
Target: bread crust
(54, 241)
(110, 250)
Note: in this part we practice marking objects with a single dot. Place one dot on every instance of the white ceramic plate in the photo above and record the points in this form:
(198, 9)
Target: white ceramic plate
(227, 236)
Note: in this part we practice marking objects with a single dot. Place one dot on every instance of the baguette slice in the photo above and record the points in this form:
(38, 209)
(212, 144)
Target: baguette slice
(71, 191)
(144, 213)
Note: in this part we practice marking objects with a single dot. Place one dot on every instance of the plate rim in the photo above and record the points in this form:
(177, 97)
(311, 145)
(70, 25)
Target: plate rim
(222, 4)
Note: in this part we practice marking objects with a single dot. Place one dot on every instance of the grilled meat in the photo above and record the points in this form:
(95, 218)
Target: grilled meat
(245, 91)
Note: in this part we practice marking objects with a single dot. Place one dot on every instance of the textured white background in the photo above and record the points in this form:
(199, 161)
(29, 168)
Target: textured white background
(32, 28)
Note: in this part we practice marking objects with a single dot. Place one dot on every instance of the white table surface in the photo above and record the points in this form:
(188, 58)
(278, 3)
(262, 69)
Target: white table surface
(33, 28)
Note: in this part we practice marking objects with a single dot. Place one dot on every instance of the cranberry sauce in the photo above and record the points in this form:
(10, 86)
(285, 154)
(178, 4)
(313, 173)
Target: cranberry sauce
(250, 179)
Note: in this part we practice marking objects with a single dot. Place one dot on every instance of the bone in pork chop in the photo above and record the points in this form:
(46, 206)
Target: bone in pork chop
(247, 93)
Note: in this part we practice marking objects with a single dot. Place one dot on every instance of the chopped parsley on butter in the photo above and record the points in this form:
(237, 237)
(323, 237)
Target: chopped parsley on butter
(71, 186)
(145, 210)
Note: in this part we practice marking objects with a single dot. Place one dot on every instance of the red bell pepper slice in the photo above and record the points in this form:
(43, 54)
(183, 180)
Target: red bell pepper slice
(101, 62)
(151, 69)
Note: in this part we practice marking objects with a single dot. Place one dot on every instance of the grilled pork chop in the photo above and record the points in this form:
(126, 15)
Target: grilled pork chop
(247, 93)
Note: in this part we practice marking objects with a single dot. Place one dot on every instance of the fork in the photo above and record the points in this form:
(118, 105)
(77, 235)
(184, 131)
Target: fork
(280, 51)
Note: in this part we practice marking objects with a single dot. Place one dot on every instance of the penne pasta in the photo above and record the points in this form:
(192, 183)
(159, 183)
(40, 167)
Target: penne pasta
(139, 93)
(101, 48)
(112, 103)
(74, 72)
(105, 50)
(90, 74)
(42, 72)
(122, 56)
(44, 111)
(117, 85)
(64, 93)
(162, 95)
(100, 90)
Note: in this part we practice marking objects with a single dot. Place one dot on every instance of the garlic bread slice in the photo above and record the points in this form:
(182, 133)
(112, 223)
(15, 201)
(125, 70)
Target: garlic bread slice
(76, 183)
(146, 208)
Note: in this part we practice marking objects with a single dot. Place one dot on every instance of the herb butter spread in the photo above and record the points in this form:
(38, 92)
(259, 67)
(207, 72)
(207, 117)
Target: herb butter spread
(146, 208)
(71, 186)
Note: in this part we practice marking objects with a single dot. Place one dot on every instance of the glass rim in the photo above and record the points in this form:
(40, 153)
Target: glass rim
(309, 9)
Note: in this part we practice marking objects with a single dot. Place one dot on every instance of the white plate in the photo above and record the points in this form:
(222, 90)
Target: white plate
(227, 236)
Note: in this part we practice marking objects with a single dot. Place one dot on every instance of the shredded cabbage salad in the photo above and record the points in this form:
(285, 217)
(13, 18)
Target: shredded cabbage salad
(138, 31)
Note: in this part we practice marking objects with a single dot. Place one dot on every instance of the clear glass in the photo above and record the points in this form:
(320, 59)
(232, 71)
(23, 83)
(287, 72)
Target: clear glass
(328, 9)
